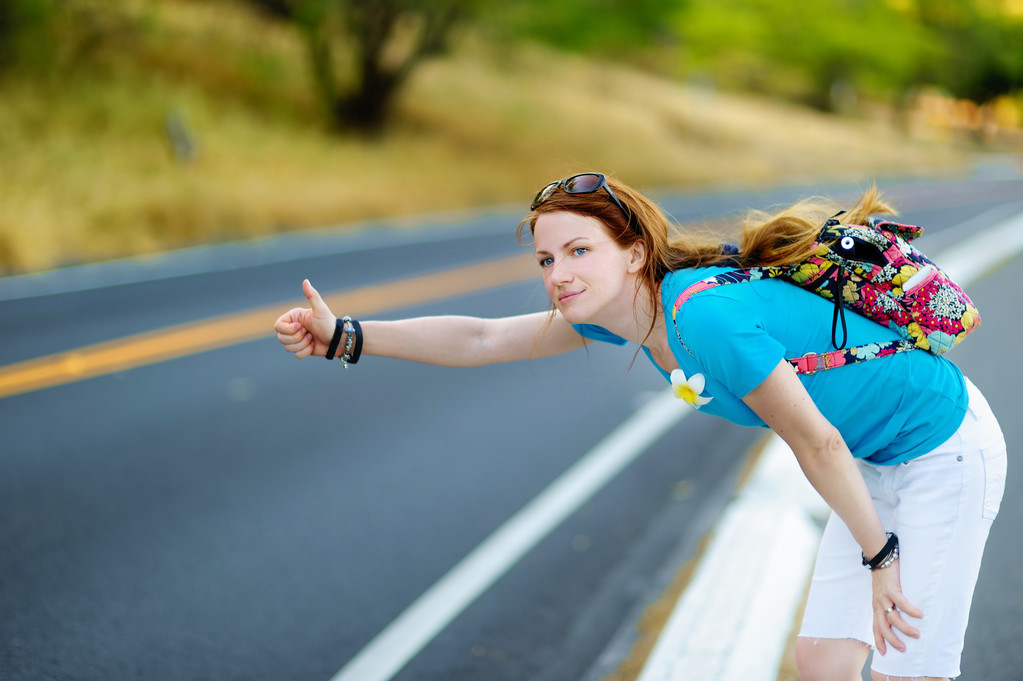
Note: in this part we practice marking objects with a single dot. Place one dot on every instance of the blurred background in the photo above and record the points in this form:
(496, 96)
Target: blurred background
(136, 126)
(181, 500)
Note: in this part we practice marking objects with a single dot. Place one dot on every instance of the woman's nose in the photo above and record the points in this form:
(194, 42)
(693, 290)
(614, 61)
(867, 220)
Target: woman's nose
(560, 272)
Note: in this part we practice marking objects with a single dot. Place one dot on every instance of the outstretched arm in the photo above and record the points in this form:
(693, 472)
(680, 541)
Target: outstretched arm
(446, 341)
(784, 405)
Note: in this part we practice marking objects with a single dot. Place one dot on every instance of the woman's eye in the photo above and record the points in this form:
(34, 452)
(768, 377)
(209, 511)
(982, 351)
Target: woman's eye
(546, 262)
(579, 250)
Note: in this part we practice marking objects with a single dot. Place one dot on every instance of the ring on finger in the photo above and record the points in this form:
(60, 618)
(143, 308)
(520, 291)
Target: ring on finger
(889, 610)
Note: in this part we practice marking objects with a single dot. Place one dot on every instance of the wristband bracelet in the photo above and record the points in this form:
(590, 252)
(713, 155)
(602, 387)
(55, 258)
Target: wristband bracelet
(358, 342)
(886, 556)
(336, 340)
(892, 557)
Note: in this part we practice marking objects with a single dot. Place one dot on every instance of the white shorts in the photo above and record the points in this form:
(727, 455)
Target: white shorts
(941, 506)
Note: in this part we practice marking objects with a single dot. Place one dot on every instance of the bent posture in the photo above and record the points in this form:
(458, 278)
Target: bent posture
(904, 449)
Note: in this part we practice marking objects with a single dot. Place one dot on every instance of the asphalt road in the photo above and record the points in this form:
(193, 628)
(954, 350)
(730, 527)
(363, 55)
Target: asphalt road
(236, 514)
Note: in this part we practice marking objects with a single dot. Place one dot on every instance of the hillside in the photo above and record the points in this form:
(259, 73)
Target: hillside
(89, 171)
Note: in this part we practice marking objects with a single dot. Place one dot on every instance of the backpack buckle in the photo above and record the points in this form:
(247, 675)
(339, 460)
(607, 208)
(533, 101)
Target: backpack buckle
(809, 364)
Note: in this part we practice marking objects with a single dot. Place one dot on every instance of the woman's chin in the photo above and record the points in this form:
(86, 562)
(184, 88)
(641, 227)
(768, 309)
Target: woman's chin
(572, 315)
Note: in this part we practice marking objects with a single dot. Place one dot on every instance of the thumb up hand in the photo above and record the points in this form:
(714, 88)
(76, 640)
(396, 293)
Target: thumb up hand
(306, 331)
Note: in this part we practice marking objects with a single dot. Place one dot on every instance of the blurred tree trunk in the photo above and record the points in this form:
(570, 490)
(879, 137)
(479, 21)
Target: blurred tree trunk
(25, 33)
(386, 41)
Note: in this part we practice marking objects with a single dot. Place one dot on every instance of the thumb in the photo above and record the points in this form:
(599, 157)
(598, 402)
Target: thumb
(312, 295)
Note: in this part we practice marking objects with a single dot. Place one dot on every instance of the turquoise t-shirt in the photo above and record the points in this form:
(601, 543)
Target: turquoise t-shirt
(888, 410)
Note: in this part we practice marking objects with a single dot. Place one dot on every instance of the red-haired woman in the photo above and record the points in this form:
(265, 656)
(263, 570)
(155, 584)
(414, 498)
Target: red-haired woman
(904, 449)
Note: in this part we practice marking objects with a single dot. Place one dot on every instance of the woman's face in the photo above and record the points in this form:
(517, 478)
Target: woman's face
(588, 276)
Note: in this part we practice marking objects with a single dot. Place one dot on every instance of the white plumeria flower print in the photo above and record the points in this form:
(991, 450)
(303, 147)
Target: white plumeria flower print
(689, 389)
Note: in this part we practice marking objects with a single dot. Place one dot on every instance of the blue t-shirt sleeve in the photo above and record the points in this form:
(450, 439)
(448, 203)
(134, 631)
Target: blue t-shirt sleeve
(598, 333)
(729, 339)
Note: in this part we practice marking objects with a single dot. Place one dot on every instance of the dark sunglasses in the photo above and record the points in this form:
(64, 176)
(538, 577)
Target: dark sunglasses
(583, 183)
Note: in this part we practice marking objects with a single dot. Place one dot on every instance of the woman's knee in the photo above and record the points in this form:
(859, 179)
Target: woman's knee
(820, 659)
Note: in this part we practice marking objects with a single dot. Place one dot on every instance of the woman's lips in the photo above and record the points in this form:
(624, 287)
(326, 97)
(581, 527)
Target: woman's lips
(566, 297)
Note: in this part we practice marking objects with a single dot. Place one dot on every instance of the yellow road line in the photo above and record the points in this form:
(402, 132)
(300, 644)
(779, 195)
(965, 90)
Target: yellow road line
(187, 339)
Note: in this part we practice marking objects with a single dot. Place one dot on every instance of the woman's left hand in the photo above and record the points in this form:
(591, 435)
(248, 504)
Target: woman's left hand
(889, 605)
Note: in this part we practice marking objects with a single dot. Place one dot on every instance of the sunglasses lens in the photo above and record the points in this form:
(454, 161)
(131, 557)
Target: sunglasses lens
(584, 184)
(543, 195)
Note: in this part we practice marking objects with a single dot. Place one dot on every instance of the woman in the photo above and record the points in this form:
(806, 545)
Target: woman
(903, 448)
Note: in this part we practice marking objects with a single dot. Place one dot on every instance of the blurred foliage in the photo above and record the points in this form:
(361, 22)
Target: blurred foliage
(384, 41)
(820, 57)
(983, 48)
(26, 33)
(618, 28)
(822, 53)
(50, 38)
(134, 126)
(829, 54)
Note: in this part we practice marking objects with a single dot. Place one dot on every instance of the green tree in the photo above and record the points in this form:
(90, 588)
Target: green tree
(983, 49)
(623, 28)
(810, 51)
(362, 52)
(26, 32)
(380, 41)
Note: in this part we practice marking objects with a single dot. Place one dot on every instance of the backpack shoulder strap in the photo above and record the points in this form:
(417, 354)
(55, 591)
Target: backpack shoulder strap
(809, 363)
(733, 277)
(812, 362)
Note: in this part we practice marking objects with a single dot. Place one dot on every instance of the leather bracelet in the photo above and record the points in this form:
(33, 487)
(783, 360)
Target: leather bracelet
(886, 556)
(358, 342)
(336, 340)
(892, 557)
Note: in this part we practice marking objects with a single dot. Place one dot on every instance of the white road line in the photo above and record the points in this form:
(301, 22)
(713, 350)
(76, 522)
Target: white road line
(272, 250)
(386, 654)
(733, 620)
(969, 260)
(770, 526)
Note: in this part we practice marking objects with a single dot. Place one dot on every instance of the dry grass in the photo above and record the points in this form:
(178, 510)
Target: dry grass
(87, 173)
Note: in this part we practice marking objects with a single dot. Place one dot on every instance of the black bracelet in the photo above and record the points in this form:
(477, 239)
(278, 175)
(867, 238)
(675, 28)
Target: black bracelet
(358, 342)
(336, 340)
(885, 556)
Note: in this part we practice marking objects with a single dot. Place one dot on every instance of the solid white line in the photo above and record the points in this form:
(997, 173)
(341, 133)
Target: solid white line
(971, 259)
(733, 620)
(273, 250)
(386, 654)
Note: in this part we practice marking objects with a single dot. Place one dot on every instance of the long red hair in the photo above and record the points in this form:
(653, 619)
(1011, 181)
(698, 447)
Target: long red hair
(784, 237)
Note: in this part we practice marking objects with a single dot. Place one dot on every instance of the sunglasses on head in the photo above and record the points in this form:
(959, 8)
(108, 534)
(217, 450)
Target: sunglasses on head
(583, 183)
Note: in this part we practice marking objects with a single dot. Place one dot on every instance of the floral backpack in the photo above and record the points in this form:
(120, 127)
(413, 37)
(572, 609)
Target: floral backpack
(874, 271)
